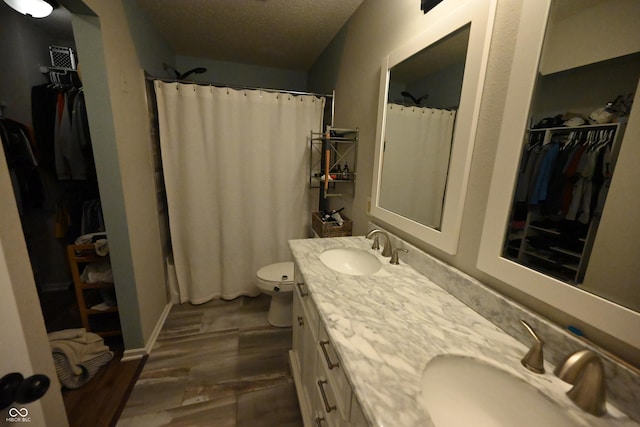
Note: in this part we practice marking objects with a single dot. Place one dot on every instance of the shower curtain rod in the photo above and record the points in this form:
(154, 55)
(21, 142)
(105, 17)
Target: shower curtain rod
(240, 87)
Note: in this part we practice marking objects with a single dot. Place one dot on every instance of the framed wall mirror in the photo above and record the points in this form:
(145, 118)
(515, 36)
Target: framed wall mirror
(560, 223)
(428, 105)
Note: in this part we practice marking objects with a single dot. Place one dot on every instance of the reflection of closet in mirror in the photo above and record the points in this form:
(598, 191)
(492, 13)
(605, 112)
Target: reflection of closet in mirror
(577, 120)
(606, 35)
(562, 185)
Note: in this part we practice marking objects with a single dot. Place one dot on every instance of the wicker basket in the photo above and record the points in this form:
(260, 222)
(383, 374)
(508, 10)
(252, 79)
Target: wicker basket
(330, 229)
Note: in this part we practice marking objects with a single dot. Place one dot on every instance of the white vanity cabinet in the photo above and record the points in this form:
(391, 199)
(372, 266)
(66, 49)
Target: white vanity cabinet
(303, 354)
(324, 393)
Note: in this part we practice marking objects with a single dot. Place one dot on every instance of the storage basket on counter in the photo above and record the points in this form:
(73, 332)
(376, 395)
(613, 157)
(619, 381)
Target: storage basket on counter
(330, 229)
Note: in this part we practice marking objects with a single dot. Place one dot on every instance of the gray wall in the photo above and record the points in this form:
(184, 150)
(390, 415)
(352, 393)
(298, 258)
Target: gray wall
(114, 58)
(231, 73)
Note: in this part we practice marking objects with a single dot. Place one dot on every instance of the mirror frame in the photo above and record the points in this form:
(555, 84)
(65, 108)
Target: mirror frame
(440, 22)
(613, 319)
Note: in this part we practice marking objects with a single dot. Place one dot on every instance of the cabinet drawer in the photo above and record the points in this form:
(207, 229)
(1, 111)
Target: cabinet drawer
(327, 402)
(297, 330)
(332, 366)
(310, 313)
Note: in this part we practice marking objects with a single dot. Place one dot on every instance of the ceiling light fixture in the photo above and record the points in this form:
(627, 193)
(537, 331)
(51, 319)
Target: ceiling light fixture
(33, 8)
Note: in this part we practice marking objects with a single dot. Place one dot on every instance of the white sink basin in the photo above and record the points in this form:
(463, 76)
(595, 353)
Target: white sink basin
(463, 391)
(350, 261)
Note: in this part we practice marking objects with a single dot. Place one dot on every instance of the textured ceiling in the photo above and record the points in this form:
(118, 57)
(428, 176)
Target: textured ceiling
(276, 33)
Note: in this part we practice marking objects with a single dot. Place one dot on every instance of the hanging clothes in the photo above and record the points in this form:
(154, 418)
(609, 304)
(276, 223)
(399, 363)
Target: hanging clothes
(567, 178)
(80, 151)
(607, 172)
(551, 206)
(570, 177)
(43, 112)
(530, 164)
(22, 164)
(64, 147)
(580, 208)
(544, 173)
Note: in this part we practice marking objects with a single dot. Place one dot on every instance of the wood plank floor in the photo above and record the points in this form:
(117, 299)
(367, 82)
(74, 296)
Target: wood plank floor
(217, 364)
(100, 402)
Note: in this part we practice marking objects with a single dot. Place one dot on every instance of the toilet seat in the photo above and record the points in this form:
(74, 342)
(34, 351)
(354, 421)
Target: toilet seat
(280, 273)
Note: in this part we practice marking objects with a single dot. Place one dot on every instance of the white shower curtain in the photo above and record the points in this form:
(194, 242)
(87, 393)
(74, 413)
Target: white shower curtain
(416, 158)
(236, 173)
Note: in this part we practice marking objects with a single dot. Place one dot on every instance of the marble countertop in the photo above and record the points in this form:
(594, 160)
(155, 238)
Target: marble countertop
(385, 327)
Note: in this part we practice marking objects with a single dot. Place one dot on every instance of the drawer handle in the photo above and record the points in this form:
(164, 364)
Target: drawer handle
(319, 421)
(327, 407)
(302, 293)
(300, 321)
(330, 364)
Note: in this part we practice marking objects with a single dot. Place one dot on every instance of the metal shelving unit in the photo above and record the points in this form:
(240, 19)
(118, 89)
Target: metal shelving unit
(332, 150)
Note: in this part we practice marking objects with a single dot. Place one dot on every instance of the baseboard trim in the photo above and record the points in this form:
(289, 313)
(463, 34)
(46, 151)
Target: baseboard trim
(158, 328)
(137, 353)
(133, 354)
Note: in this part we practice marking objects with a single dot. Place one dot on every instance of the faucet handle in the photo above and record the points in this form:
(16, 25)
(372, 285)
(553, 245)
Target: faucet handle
(394, 255)
(534, 359)
(376, 243)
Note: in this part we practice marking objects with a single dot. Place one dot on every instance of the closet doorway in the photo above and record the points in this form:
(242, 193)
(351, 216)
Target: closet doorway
(58, 201)
(48, 150)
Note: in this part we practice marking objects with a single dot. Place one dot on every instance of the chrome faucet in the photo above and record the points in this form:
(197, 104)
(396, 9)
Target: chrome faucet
(585, 370)
(387, 250)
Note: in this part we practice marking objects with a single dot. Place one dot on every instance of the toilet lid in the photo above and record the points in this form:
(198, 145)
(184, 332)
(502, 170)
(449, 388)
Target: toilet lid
(281, 272)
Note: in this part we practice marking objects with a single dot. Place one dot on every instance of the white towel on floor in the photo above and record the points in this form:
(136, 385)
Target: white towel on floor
(77, 346)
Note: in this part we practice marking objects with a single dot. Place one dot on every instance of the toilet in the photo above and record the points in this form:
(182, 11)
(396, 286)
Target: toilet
(276, 280)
